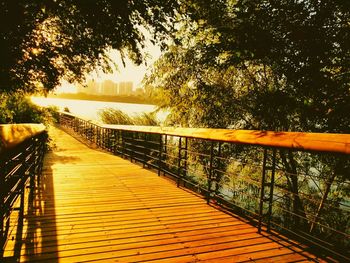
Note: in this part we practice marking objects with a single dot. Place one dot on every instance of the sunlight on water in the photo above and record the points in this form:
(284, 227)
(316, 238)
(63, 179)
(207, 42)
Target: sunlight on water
(89, 109)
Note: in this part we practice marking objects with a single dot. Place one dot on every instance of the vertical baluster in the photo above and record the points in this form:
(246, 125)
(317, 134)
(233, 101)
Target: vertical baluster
(262, 191)
(115, 136)
(218, 166)
(184, 174)
(210, 171)
(179, 162)
(99, 136)
(160, 161)
(165, 150)
(118, 142)
(144, 149)
(267, 166)
(123, 143)
(272, 183)
(109, 139)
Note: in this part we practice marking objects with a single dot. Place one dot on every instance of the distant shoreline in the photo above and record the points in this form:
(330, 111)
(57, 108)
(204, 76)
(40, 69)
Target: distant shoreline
(136, 99)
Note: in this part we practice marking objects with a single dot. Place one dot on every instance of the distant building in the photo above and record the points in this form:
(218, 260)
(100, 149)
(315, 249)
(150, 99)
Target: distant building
(109, 87)
(94, 87)
(91, 87)
(125, 88)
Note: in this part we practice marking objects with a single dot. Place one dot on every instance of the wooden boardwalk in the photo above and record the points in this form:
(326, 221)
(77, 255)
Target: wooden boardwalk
(93, 206)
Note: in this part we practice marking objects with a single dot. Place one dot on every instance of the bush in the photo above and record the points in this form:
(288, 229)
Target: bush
(115, 116)
(146, 119)
(17, 108)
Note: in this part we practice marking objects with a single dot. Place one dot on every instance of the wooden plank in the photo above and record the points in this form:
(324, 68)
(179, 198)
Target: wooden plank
(93, 206)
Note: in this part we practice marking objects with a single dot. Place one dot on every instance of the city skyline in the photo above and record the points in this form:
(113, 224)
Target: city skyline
(107, 87)
(126, 69)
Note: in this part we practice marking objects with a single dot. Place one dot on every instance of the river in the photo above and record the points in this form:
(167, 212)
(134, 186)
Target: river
(88, 109)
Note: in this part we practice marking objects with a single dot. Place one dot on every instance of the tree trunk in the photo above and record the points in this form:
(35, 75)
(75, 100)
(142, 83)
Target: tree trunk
(298, 211)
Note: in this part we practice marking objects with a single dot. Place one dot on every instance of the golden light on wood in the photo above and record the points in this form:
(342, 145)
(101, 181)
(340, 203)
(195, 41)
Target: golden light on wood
(92, 205)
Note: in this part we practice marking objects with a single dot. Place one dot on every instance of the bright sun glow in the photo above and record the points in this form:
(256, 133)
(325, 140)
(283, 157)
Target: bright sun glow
(130, 72)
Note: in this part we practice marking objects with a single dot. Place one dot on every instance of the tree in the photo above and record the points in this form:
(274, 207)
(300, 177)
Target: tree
(292, 55)
(42, 42)
(265, 65)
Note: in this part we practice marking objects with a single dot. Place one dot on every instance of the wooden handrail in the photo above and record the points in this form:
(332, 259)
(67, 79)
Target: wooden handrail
(14, 134)
(323, 142)
(304, 141)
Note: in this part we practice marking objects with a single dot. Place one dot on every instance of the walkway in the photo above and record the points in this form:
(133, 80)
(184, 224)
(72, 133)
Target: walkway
(92, 206)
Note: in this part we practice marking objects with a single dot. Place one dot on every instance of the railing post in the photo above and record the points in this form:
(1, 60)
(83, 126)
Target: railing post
(115, 136)
(131, 146)
(272, 183)
(210, 170)
(84, 129)
(165, 150)
(179, 163)
(144, 149)
(103, 138)
(99, 130)
(109, 140)
(33, 169)
(118, 142)
(100, 137)
(217, 178)
(78, 125)
(185, 158)
(42, 149)
(87, 129)
(91, 137)
(123, 143)
(95, 134)
(160, 161)
(266, 167)
(262, 192)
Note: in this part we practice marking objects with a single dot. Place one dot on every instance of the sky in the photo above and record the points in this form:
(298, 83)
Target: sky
(130, 72)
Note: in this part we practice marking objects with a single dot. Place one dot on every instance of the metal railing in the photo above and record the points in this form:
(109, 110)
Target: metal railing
(297, 184)
(20, 166)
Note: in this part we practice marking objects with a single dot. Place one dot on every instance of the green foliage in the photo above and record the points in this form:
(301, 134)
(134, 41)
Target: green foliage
(266, 65)
(270, 65)
(52, 114)
(17, 108)
(115, 116)
(146, 119)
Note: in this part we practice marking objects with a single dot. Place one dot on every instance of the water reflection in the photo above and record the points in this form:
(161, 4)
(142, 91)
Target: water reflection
(88, 109)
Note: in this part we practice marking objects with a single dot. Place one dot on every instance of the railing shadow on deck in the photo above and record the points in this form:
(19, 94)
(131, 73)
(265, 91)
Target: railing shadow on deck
(41, 239)
(39, 232)
(28, 212)
(280, 181)
(22, 153)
